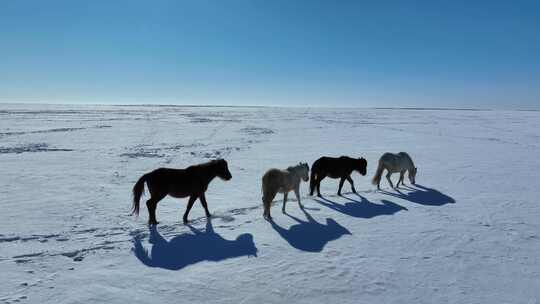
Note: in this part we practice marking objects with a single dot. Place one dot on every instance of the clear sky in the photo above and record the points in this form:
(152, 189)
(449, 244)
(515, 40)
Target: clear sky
(318, 53)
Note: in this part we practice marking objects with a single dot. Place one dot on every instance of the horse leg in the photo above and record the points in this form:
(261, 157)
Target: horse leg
(202, 198)
(341, 181)
(352, 183)
(297, 193)
(401, 175)
(312, 184)
(284, 201)
(319, 185)
(151, 204)
(267, 203)
(266, 210)
(192, 200)
(388, 178)
(266, 213)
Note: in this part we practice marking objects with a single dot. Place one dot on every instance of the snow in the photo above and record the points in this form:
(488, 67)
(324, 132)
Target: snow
(467, 233)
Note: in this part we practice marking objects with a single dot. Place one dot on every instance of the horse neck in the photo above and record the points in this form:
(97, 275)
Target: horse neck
(295, 174)
(409, 161)
(208, 174)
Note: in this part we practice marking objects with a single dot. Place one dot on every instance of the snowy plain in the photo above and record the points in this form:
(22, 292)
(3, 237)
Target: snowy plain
(469, 232)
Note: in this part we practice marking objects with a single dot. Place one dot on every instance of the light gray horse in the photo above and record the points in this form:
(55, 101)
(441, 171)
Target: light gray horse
(283, 181)
(394, 163)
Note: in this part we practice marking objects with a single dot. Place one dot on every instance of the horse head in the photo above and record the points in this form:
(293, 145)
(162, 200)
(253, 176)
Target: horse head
(362, 166)
(305, 171)
(301, 170)
(222, 169)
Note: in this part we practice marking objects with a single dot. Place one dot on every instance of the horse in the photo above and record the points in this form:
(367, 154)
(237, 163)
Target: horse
(394, 163)
(192, 181)
(335, 167)
(283, 181)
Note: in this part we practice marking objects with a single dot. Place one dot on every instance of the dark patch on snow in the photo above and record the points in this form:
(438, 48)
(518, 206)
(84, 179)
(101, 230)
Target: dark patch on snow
(35, 147)
(216, 153)
(362, 207)
(200, 119)
(310, 235)
(422, 195)
(51, 130)
(256, 130)
(143, 151)
(191, 248)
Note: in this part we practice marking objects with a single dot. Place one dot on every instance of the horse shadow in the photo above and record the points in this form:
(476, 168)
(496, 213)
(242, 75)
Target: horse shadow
(362, 208)
(310, 235)
(190, 248)
(422, 195)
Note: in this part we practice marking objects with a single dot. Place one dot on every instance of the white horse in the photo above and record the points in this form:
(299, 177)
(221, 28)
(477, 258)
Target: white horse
(394, 163)
(283, 181)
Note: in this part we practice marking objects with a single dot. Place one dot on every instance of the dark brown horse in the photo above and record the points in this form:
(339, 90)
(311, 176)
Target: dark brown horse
(340, 167)
(191, 181)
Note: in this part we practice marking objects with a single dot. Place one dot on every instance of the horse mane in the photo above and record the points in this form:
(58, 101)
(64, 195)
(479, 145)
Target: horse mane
(209, 163)
(215, 161)
(291, 168)
(297, 168)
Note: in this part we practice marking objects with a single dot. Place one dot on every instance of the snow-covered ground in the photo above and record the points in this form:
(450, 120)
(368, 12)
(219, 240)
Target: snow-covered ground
(469, 232)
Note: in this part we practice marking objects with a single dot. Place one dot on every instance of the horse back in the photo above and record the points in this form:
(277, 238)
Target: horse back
(176, 182)
(396, 162)
(273, 175)
(333, 166)
(276, 179)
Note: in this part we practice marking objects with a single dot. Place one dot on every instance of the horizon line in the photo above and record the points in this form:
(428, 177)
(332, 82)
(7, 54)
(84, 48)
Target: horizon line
(418, 108)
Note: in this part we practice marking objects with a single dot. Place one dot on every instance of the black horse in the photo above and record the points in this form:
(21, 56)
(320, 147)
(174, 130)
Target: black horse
(340, 167)
(191, 181)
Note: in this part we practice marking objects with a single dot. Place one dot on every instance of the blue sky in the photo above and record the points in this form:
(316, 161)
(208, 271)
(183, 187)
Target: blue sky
(318, 53)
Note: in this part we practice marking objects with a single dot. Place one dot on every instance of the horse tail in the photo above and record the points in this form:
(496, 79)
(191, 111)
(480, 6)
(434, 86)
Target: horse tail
(377, 178)
(263, 180)
(138, 191)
